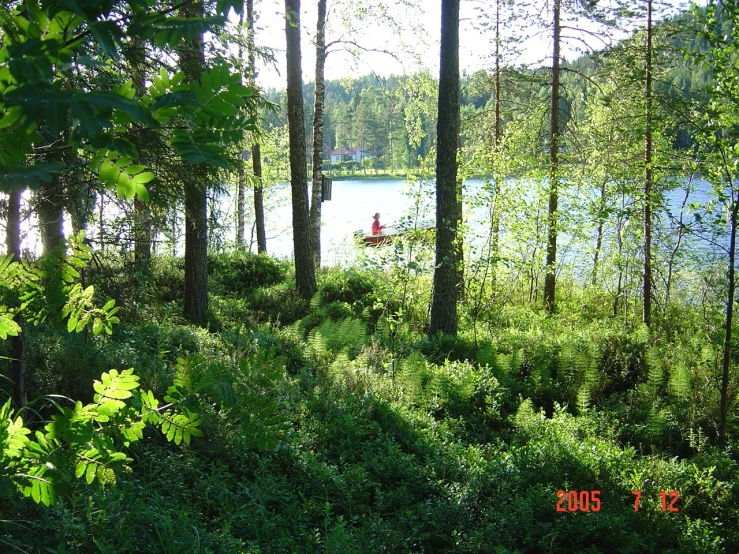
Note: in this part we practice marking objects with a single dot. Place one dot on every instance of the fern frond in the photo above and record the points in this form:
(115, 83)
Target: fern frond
(680, 381)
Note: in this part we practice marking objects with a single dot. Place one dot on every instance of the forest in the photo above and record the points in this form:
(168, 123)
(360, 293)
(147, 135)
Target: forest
(549, 366)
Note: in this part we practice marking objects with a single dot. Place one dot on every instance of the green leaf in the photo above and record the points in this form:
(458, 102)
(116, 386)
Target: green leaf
(143, 178)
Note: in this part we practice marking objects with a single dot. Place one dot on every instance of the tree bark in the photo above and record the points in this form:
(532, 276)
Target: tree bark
(192, 63)
(305, 277)
(444, 301)
(17, 343)
(142, 214)
(552, 219)
(599, 232)
(318, 105)
(50, 210)
(256, 149)
(726, 364)
(648, 175)
(240, 205)
(495, 201)
(256, 157)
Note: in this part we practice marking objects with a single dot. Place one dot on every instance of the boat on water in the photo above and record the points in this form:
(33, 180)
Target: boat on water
(391, 233)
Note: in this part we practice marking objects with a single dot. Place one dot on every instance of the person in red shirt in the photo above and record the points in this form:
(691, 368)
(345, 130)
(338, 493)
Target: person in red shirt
(376, 227)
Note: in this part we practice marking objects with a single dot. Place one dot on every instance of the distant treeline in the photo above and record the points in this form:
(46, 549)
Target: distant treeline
(393, 119)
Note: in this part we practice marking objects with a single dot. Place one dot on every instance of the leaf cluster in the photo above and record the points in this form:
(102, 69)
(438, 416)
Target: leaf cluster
(86, 440)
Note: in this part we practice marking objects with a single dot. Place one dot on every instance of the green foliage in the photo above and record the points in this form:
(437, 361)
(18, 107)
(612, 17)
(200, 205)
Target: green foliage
(36, 90)
(334, 336)
(279, 303)
(84, 439)
(238, 273)
(48, 287)
(246, 394)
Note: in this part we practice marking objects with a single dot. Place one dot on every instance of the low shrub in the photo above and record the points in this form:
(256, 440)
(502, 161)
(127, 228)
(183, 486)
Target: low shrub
(237, 273)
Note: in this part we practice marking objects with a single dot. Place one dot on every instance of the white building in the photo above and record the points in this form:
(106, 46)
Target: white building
(348, 154)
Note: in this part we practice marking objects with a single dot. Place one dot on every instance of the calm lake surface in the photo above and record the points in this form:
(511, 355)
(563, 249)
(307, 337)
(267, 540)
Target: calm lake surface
(354, 202)
(350, 209)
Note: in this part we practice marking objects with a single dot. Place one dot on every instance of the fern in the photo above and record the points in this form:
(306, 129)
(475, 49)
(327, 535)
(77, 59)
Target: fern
(656, 423)
(583, 399)
(334, 335)
(655, 374)
(680, 381)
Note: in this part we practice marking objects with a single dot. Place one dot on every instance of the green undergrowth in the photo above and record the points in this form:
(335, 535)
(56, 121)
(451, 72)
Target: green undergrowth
(332, 426)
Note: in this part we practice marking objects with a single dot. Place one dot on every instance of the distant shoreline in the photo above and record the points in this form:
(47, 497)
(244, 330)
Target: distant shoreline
(389, 177)
(369, 177)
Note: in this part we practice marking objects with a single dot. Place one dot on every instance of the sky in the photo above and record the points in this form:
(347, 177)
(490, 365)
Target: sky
(411, 33)
(413, 38)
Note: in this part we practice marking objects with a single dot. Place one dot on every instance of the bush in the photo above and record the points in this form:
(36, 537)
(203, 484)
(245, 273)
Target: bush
(359, 289)
(280, 303)
(237, 273)
(169, 277)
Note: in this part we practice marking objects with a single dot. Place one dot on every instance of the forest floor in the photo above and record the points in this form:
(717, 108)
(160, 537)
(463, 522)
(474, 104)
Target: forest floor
(336, 426)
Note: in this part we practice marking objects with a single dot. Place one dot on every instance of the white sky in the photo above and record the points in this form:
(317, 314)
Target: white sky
(415, 40)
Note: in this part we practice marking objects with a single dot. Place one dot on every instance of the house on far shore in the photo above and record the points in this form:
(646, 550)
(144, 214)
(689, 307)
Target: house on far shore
(348, 154)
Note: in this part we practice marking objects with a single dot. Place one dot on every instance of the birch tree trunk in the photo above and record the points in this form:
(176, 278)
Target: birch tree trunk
(318, 106)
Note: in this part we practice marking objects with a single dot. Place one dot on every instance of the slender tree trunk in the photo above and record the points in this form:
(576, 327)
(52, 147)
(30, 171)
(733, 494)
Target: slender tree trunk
(143, 231)
(726, 365)
(17, 343)
(305, 277)
(553, 217)
(240, 204)
(459, 240)
(192, 63)
(142, 213)
(315, 203)
(256, 149)
(241, 171)
(673, 252)
(50, 209)
(101, 221)
(599, 233)
(444, 301)
(648, 175)
(495, 219)
(256, 157)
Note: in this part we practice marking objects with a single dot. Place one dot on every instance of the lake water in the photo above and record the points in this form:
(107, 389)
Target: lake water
(351, 208)
(354, 202)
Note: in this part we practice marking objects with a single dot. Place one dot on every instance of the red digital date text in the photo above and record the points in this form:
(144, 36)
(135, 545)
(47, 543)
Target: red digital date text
(584, 501)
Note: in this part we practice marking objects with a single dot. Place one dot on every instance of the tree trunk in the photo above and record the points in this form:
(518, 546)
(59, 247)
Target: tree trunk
(495, 212)
(240, 205)
(17, 344)
(552, 220)
(142, 214)
(315, 205)
(143, 231)
(599, 233)
(256, 157)
(726, 365)
(241, 170)
(444, 301)
(305, 277)
(648, 175)
(256, 149)
(192, 63)
(50, 209)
